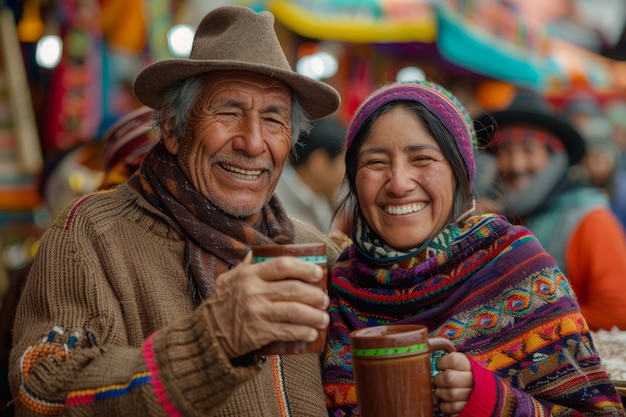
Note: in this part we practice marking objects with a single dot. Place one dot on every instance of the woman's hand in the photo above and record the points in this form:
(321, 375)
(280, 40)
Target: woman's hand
(454, 384)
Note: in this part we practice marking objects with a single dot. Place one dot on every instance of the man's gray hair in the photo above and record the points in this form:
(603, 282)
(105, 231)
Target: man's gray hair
(180, 99)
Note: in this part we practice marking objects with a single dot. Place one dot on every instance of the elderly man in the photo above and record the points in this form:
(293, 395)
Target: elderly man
(143, 300)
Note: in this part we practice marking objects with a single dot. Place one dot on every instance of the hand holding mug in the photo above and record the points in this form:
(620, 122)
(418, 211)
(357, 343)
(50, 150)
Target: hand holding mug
(255, 304)
(314, 253)
(454, 383)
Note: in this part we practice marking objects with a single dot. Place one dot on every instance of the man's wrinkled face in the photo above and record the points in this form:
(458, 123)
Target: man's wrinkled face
(519, 161)
(238, 139)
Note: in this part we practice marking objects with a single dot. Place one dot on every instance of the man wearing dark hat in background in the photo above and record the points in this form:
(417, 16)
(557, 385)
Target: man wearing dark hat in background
(536, 153)
(143, 299)
(311, 182)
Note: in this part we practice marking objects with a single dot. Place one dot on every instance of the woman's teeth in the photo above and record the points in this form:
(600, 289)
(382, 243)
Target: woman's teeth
(406, 209)
(243, 174)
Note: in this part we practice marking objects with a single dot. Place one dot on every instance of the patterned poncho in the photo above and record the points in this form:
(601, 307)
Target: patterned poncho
(493, 291)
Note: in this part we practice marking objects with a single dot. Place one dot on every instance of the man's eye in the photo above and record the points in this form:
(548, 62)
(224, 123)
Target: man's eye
(275, 120)
(375, 163)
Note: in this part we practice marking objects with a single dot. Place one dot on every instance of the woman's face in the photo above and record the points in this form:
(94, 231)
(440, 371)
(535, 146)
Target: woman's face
(404, 183)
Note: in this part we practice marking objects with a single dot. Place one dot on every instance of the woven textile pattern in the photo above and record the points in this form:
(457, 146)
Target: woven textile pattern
(493, 291)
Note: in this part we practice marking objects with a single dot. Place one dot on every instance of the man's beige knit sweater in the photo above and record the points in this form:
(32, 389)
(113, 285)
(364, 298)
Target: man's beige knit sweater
(106, 326)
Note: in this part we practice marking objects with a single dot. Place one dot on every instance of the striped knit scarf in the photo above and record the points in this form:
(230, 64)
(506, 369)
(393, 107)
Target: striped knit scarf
(493, 291)
(215, 240)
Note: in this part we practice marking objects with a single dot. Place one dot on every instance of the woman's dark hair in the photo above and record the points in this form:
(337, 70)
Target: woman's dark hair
(348, 207)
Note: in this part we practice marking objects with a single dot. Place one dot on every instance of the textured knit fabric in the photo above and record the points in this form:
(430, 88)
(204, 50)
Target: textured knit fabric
(106, 326)
(437, 100)
(493, 291)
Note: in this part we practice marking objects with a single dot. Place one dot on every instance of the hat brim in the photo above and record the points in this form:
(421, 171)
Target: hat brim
(317, 98)
(488, 124)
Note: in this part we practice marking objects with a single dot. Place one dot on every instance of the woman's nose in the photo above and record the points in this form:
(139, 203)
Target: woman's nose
(400, 181)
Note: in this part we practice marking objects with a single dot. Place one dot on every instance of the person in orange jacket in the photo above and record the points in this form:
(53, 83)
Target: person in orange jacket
(540, 185)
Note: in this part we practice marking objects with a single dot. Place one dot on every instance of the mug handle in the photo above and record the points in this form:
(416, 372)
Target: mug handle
(438, 346)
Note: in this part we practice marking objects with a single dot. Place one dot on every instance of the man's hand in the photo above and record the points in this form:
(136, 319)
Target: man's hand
(454, 384)
(254, 304)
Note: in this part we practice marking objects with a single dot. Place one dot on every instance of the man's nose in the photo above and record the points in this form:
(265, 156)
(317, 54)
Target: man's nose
(251, 139)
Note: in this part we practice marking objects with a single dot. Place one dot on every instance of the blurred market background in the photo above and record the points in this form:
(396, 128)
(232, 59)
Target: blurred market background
(67, 68)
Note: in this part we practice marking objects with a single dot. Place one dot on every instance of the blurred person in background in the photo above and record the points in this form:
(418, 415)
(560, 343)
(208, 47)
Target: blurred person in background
(615, 111)
(311, 181)
(580, 107)
(601, 159)
(125, 144)
(540, 185)
(143, 298)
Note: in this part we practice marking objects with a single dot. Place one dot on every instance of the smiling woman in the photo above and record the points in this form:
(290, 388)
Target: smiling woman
(422, 254)
(404, 184)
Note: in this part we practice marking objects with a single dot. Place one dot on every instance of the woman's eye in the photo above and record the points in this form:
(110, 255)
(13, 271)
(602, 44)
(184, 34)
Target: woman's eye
(422, 159)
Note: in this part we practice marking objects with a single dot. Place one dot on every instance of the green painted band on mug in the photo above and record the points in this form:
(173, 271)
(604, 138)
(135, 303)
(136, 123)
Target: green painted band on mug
(399, 350)
(316, 259)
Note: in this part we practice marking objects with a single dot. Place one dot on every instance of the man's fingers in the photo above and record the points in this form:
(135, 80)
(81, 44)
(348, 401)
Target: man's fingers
(282, 266)
(254, 304)
(297, 313)
(295, 290)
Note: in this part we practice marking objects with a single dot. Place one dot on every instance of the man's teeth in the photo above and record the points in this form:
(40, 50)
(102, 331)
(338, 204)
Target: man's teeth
(409, 208)
(244, 174)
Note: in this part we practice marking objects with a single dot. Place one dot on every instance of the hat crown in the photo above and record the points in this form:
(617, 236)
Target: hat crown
(529, 101)
(532, 111)
(236, 38)
(238, 34)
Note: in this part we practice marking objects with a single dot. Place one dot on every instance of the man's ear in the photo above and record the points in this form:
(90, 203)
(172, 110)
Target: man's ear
(170, 140)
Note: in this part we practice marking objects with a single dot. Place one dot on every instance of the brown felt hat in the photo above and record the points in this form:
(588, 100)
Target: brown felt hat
(236, 38)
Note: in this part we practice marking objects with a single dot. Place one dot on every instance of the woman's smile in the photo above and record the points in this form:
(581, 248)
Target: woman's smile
(405, 209)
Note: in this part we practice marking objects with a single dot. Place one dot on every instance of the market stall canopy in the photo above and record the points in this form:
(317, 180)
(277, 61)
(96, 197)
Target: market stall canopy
(484, 37)
(492, 41)
(358, 21)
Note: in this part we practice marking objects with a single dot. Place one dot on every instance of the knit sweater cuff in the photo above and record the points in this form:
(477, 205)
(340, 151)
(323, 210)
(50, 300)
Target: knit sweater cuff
(189, 372)
(482, 401)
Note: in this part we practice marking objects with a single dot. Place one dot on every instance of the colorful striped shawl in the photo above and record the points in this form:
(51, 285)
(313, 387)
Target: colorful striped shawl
(493, 291)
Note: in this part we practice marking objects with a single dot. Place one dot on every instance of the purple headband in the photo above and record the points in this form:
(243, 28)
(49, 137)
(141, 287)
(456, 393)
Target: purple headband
(436, 99)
